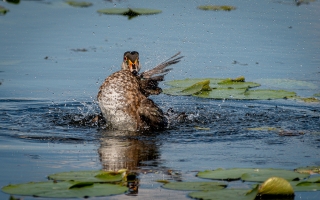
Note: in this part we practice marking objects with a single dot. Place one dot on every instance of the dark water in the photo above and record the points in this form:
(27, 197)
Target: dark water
(48, 89)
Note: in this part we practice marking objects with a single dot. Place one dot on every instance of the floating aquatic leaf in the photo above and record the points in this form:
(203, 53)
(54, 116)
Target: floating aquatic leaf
(261, 175)
(268, 94)
(130, 12)
(81, 4)
(222, 93)
(88, 176)
(308, 170)
(195, 185)
(216, 7)
(3, 10)
(200, 86)
(225, 194)
(317, 95)
(276, 186)
(250, 174)
(193, 89)
(306, 186)
(230, 80)
(223, 174)
(64, 189)
(81, 185)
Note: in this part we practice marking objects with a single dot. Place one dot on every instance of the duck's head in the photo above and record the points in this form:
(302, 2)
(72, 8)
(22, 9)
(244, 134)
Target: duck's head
(131, 62)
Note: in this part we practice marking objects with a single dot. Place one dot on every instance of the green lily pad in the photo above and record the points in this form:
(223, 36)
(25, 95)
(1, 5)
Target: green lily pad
(193, 89)
(250, 174)
(317, 95)
(308, 170)
(268, 94)
(276, 186)
(195, 186)
(64, 189)
(225, 194)
(88, 176)
(217, 8)
(3, 10)
(315, 179)
(130, 12)
(237, 85)
(306, 186)
(222, 93)
(189, 82)
(263, 174)
(223, 174)
(81, 4)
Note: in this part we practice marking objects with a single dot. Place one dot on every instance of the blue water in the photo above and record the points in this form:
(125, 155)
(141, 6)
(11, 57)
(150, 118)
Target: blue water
(48, 85)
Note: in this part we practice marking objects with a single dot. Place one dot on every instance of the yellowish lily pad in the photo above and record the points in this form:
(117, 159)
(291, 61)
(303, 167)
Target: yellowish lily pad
(276, 186)
(217, 7)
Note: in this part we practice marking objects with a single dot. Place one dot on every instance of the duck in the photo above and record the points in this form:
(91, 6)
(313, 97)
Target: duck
(123, 97)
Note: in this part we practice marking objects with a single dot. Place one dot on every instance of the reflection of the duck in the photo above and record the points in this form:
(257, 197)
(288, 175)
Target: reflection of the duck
(126, 150)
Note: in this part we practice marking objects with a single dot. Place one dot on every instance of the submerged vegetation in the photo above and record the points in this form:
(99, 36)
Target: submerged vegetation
(217, 8)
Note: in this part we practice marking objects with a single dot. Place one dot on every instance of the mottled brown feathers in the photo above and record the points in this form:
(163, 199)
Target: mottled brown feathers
(123, 95)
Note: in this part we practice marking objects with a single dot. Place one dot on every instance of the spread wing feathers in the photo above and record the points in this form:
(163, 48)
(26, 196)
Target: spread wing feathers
(161, 68)
(152, 114)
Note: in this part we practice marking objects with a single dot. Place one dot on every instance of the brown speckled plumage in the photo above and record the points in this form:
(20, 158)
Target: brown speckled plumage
(123, 96)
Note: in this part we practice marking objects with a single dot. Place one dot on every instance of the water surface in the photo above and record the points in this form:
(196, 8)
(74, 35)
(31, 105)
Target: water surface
(49, 84)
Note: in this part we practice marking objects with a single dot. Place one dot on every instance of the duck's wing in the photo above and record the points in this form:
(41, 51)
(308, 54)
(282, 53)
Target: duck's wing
(150, 79)
(161, 68)
(152, 114)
